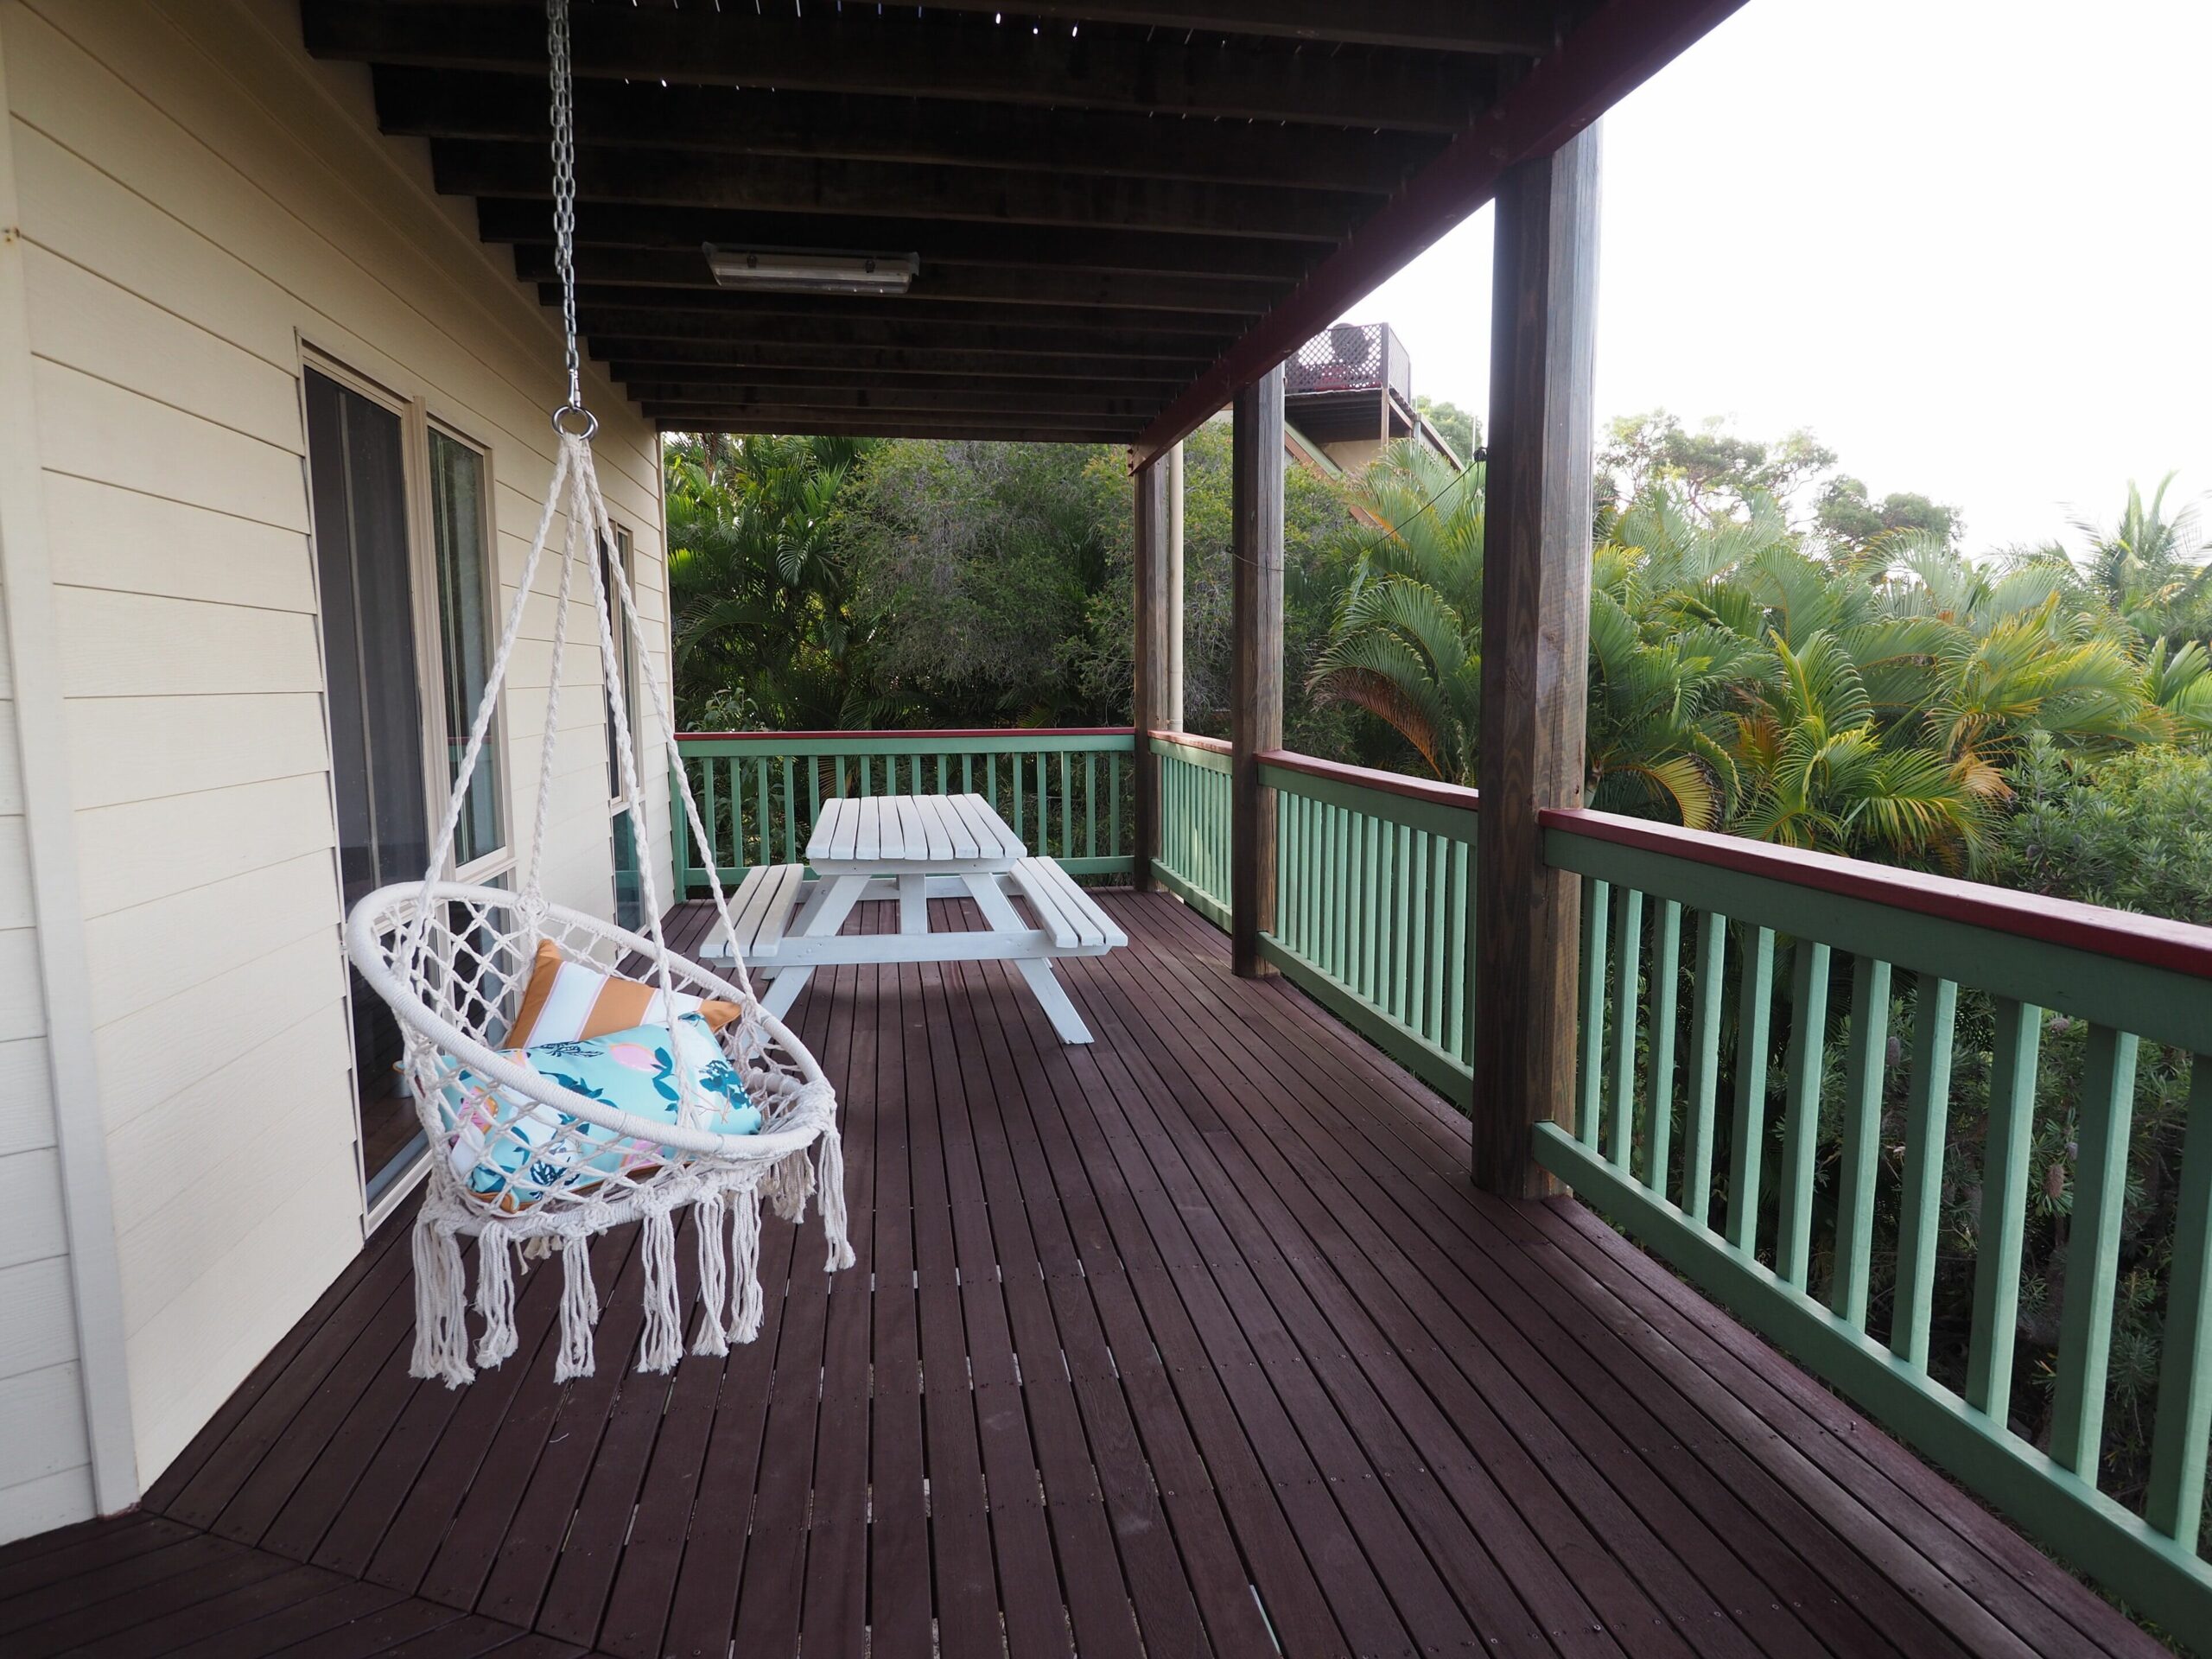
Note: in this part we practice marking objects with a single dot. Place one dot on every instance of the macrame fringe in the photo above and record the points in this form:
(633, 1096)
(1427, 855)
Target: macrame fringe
(441, 1307)
(579, 1311)
(744, 1265)
(790, 1184)
(714, 1284)
(495, 1298)
(662, 1345)
(834, 1225)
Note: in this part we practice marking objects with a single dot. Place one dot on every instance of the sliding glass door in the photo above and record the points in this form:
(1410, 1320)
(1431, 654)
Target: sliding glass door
(387, 655)
(356, 464)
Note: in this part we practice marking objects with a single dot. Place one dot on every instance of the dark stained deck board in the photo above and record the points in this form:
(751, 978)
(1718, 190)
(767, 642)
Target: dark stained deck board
(1627, 1405)
(1499, 1331)
(1199, 1340)
(1489, 1396)
(2019, 1564)
(1350, 1293)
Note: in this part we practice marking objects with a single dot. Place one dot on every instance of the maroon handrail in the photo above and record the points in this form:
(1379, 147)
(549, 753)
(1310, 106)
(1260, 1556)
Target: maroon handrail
(2153, 941)
(926, 731)
(1432, 790)
(1192, 741)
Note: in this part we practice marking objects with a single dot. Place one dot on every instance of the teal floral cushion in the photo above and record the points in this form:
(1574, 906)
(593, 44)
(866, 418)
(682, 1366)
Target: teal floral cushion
(504, 1147)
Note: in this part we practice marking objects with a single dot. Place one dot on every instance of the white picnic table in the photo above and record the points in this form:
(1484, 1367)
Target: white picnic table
(913, 848)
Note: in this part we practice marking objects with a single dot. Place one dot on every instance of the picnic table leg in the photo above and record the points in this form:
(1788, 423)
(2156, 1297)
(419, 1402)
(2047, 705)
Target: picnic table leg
(824, 914)
(1043, 983)
(913, 904)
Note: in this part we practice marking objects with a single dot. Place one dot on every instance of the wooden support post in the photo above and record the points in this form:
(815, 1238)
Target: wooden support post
(1536, 650)
(1155, 603)
(1256, 666)
(1172, 464)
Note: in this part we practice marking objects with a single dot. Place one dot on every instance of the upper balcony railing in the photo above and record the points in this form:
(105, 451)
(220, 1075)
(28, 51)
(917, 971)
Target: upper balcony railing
(1719, 977)
(1351, 357)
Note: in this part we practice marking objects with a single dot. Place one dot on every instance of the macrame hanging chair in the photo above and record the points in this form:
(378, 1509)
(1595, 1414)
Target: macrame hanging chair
(452, 961)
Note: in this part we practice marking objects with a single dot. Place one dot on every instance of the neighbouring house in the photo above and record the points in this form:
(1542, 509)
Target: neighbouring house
(1417, 1258)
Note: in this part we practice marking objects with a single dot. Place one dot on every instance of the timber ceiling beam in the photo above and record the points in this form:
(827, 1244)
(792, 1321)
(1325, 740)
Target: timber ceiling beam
(803, 423)
(683, 303)
(889, 328)
(739, 384)
(706, 120)
(682, 178)
(1077, 365)
(625, 277)
(1526, 27)
(1621, 44)
(937, 241)
(933, 55)
(890, 398)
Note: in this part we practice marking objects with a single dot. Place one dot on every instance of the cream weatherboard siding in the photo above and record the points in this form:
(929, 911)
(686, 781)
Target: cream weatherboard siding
(204, 210)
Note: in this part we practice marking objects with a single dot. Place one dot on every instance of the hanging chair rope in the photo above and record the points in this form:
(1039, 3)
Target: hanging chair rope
(448, 958)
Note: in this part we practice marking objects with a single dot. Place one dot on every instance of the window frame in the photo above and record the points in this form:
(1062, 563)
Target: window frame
(417, 420)
(502, 858)
(626, 554)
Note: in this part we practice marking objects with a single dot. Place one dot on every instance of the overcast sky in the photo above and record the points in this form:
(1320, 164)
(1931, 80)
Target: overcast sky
(1966, 242)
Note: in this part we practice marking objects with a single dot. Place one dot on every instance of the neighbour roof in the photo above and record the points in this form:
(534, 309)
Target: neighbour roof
(1122, 210)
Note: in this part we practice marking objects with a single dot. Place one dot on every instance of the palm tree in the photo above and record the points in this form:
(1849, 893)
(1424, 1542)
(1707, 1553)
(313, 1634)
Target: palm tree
(1815, 772)
(1406, 642)
(2150, 568)
(759, 597)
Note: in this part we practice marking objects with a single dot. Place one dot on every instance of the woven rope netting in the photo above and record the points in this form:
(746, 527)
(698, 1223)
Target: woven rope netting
(452, 961)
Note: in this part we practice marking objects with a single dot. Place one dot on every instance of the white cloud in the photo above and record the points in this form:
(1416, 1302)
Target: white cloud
(1966, 243)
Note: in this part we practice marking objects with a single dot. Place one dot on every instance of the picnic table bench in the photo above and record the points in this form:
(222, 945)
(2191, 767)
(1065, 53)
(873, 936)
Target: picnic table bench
(913, 848)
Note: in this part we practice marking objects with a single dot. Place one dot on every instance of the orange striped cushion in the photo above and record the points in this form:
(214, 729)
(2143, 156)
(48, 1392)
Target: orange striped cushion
(568, 1001)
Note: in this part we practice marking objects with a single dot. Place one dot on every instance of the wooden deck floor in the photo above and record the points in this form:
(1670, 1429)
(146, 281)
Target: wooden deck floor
(1193, 1341)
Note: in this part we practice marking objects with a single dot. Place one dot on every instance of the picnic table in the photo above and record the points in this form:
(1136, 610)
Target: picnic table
(913, 848)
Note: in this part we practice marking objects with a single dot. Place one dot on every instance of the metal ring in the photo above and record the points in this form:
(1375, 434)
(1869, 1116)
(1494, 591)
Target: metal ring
(562, 414)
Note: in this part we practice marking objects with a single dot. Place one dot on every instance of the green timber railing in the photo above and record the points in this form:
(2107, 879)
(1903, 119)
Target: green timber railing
(1193, 863)
(1065, 792)
(1375, 904)
(1686, 940)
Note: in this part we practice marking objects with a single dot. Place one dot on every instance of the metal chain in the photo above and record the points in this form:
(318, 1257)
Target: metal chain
(565, 208)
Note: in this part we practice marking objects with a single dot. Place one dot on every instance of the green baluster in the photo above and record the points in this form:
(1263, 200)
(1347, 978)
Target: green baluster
(1920, 1186)
(2175, 1503)
(1402, 934)
(2093, 1251)
(1114, 803)
(712, 811)
(1865, 1063)
(1090, 805)
(761, 795)
(1754, 1031)
(790, 814)
(1628, 949)
(1801, 1122)
(1440, 854)
(2004, 1198)
(1705, 1065)
(1590, 1083)
(1415, 1000)
(1458, 1001)
(1659, 1101)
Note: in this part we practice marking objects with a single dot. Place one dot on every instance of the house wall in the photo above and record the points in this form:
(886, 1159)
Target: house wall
(201, 206)
(45, 1459)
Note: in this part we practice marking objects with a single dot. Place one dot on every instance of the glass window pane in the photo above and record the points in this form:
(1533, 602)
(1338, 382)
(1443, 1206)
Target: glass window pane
(464, 631)
(355, 462)
(609, 557)
(629, 886)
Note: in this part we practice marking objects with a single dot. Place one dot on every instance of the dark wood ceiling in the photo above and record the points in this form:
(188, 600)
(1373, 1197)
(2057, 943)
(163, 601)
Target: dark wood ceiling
(1118, 206)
